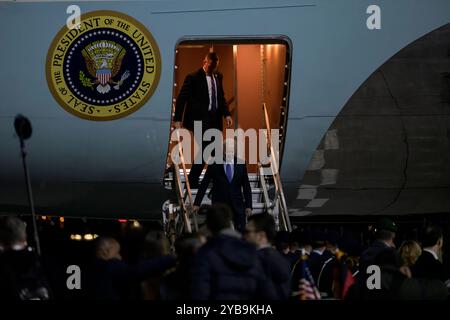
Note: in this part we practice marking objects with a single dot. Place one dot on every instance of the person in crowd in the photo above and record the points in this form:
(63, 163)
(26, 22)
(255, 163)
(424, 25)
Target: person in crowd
(21, 274)
(384, 240)
(176, 284)
(260, 231)
(330, 255)
(428, 265)
(315, 260)
(304, 239)
(409, 251)
(318, 253)
(110, 278)
(395, 283)
(353, 248)
(295, 251)
(282, 239)
(156, 245)
(226, 267)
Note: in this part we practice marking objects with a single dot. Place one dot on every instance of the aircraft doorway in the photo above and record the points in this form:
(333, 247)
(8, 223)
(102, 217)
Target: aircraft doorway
(255, 72)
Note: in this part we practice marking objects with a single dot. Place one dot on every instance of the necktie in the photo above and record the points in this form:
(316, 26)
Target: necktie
(213, 95)
(229, 172)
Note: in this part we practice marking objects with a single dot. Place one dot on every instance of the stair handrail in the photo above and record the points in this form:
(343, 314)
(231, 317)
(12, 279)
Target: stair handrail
(187, 209)
(276, 175)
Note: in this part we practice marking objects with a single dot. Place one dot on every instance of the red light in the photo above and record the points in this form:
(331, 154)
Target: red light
(122, 220)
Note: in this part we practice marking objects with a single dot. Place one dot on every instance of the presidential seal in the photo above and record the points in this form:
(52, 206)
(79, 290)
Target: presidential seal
(105, 69)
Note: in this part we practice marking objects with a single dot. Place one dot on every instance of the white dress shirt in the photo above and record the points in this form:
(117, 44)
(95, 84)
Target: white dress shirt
(208, 79)
(432, 253)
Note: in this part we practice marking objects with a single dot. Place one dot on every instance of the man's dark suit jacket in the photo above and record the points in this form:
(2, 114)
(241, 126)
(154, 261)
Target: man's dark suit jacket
(225, 192)
(428, 267)
(193, 101)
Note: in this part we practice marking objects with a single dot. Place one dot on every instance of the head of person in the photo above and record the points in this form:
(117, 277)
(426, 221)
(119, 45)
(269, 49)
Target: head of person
(318, 240)
(282, 239)
(332, 239)
(156, 244)
(294, 245)
(304, 239)
(229, 149)
(186, 246)
(260, 229)
(107, 249)
(210, 63)
(432, 238)
(13, 233)
(386, 229)
(409, 251)
(219, 217)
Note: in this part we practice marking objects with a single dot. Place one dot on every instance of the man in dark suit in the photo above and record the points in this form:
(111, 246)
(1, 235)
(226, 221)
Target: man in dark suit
(231, 186)
(315, 260)
(111, 278)
(384, 240)
(202, 99)
(22, 276)
(260, 231)
(428, 265)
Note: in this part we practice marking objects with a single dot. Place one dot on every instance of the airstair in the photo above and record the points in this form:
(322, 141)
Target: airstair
(267, 194)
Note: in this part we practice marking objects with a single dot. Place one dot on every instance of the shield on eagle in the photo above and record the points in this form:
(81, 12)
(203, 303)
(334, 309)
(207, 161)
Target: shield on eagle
(103, 76)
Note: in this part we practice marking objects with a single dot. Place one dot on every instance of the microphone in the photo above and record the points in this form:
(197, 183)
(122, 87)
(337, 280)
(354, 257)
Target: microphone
(24, 131)
(23, 127)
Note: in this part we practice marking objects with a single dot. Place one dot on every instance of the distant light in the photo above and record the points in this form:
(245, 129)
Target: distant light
(95, 236)
(136, 224)
(61, 219)
(88, 237)
(75, 237)
(122, 220)
(44, 217)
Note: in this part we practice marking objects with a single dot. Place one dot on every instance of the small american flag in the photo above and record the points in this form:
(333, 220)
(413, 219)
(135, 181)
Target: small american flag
(307, 287)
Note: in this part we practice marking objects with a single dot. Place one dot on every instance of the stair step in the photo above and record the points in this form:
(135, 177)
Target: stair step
(255, 204)
(251, 178)
(254, 191)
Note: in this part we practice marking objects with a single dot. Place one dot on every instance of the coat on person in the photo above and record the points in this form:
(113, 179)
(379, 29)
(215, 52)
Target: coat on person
(228, 268)
(277, 270)
(427, 266)
(112, 279)
(193, 102)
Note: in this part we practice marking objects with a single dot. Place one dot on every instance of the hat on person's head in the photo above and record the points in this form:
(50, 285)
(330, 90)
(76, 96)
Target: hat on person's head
(386, 224)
